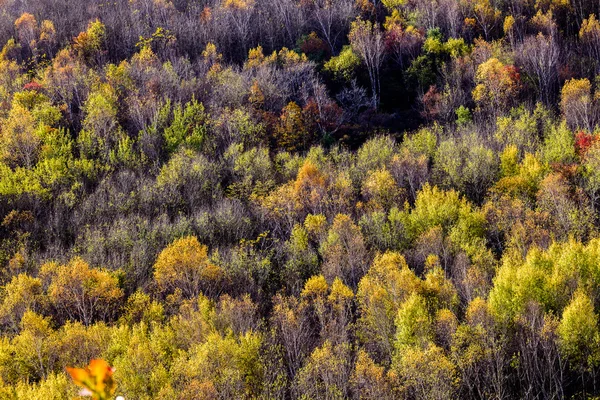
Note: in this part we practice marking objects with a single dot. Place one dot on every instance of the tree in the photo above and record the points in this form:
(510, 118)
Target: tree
(411, 171)
(403, 45)
(589, 34)
(540, 59)
(326, 373)
(23, 293)
(229, 367)
(591, 174)
(32, 349)
(497, 85)
(381, 190)
(188, 127)
(27, 29)
(303, 259)
(413, 324)
(184, 265)
(542, 367)
(310, 188)
(66, 82)
(187, 180)
(239, 13)
(467, 164)
(292, 132)
(427, 373)
(569, 217)
(487, 16)
(101, 126)
(90, 43)
(294, 331)
(327, 16)
(20, 141)
(369, 380)
(343, 66)
(367, 41)
(376, 153)
(82, 293)
(344, 252)
(578, 332)
(578, 105)
(48, 37)
(387, 284)
(331, 307)
(290, 15)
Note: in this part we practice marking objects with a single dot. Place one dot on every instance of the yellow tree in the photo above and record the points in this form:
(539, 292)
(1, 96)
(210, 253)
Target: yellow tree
(184, 265)
(332, 305)
(344, 252)
(486, 15)
(497, 85)
(380, 293)
(88, 44)
(292, 131)
(310, 188)
(369, 379)
(19, 139)
(578, 105)
(381, 189)
(82, 293)
(326, 372)
(21, 294)
(27, 28)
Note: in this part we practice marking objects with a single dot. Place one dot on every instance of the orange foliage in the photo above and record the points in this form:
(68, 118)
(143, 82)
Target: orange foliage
(96, 379)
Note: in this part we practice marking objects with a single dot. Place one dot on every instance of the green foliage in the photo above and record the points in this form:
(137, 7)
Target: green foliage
(578, 331)
(547, 277)
(422, 70)
(463, 115)
(559, 146)
(520, 129)
(303, 260)
(387, 284)
(413, 324)
(435, 207)
(188, 127)
(468, 165)
(344, 65)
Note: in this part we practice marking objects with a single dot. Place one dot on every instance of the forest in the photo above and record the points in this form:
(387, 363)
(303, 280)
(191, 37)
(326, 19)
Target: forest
(299, 199)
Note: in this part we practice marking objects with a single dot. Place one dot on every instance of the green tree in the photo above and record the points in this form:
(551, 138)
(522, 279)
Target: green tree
(188, 128)
(387, 284)
(578, 332)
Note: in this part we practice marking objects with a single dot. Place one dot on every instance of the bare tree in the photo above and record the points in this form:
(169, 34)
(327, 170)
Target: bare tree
(367, 41)
(329, 18)
(539, 57)
(289, 14)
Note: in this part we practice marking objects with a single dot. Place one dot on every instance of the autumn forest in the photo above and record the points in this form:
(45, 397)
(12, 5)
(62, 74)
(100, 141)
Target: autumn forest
(299, 199)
